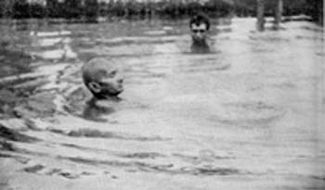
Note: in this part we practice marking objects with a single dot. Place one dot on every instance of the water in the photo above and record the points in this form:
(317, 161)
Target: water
(246, 116)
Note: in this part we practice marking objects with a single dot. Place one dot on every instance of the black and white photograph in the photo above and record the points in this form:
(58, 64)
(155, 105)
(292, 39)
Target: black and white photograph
(162, 95)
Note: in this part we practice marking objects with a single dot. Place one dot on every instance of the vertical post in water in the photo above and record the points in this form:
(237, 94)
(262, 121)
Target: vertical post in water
(278, 14)
(260, 15)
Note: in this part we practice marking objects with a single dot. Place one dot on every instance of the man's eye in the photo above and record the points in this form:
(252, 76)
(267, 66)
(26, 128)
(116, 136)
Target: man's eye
(198, 31)
(112, 74)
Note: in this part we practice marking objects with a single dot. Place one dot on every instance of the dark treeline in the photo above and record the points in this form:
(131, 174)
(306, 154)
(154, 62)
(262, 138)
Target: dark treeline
(112, 9)
(92, 9)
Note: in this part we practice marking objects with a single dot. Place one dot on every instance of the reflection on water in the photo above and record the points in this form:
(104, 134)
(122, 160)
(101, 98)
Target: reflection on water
(246, 110)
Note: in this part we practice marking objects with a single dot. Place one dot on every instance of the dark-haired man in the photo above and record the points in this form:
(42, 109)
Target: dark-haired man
(199, 26)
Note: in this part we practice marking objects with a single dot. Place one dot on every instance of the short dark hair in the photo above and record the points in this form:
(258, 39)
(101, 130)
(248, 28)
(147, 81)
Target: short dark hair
(200, 18)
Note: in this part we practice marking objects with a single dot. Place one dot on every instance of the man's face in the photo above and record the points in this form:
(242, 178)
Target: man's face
(110, 84)
(199, 32)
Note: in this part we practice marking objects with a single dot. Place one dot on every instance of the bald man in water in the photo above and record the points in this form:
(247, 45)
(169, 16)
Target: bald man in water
(103, 83)
(103, 80)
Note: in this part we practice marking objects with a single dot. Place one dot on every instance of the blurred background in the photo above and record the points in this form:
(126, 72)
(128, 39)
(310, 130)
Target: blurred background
(92, 10)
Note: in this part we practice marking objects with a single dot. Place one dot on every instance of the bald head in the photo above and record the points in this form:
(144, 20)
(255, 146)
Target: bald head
(102, 78)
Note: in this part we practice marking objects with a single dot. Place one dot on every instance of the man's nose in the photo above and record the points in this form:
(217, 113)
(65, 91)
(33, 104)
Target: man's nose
(120, 79)
(199, 34)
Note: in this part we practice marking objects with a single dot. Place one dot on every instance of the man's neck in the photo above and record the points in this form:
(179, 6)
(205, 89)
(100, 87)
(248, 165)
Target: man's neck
(107, 98)
(108, 102)
(200, 43)
(200, 47)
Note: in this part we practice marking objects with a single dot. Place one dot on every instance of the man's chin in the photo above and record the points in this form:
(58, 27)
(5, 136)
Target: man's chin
(198, 40)
(109, 95)
(115, 93)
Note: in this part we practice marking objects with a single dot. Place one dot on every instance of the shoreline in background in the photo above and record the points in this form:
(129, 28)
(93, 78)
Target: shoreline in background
(90, 10)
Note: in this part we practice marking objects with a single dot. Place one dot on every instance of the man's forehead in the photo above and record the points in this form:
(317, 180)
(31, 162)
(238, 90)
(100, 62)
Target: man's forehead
(200, 26)
(107, 67)
(108, 71)
(102, 70)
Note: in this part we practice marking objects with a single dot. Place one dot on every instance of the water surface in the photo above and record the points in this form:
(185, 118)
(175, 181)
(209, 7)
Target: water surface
(246, 116)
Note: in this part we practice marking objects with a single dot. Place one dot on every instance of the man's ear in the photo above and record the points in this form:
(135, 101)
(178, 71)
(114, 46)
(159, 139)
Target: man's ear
(94, 86)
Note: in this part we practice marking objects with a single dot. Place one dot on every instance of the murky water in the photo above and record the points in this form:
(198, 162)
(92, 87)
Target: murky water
(246, 116)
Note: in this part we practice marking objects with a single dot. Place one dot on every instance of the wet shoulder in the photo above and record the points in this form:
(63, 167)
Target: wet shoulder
(76, 100)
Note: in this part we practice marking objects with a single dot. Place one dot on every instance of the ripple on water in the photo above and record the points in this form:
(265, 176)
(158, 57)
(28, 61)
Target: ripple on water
(12, 135)
(210, 170)
(137, 166)
(242, 113)
(143, 155)
(205, 69)
(93, 133)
